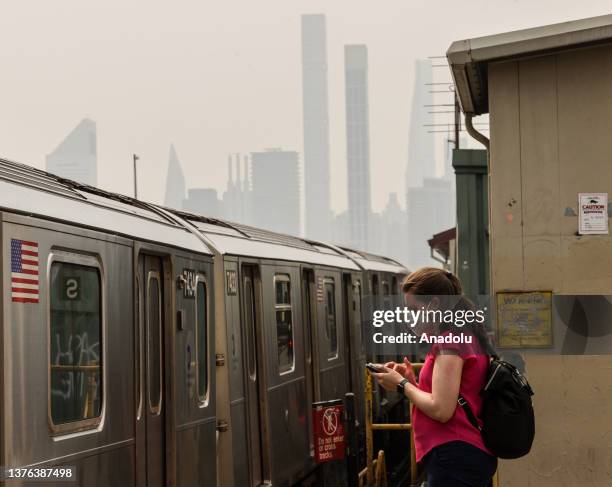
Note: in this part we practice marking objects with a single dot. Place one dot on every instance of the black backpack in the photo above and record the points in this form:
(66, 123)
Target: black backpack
(508, 422)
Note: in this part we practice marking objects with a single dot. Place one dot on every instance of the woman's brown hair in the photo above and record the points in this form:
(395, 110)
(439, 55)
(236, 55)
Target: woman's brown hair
(432, 281)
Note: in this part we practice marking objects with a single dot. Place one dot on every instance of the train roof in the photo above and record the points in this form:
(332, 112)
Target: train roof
(30, 191)
(469, 59)
(243, 240)
(373, 262)
(239, 239)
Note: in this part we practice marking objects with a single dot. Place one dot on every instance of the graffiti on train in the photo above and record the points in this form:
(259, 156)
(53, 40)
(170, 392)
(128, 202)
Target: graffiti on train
(82, 355)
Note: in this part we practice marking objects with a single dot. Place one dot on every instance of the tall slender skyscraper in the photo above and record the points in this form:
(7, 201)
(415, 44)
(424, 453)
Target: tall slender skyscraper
(421, 159)
(175, 182)
(76, 157)
(357, 143)
(316, 127)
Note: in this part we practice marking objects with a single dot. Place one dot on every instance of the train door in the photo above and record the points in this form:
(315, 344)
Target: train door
(376, 304)
(309, 309)
(152, 406)
(360, 346)
(251, 316)
(354, 338)
(330, 333)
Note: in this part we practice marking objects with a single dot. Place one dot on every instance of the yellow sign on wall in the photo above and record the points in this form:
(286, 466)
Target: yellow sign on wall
(524, 319)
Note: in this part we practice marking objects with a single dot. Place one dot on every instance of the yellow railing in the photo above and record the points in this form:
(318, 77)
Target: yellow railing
(375, 474)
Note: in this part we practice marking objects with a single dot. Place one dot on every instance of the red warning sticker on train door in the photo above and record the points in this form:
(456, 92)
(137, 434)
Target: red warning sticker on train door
(328, 428)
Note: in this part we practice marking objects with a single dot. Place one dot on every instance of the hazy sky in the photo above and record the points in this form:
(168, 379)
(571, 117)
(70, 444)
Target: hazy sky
(221, 77)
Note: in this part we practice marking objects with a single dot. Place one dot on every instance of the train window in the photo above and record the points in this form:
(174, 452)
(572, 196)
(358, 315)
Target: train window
(154, 341)
(202, 339)
(75, 340)
(331, 330)
(284, 323)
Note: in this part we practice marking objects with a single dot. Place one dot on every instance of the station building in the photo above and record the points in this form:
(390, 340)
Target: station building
(548, 93)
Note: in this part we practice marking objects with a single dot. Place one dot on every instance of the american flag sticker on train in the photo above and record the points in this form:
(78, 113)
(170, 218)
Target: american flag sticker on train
(24, 271)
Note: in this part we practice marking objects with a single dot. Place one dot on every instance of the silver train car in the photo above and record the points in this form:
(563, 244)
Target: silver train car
(151, 347)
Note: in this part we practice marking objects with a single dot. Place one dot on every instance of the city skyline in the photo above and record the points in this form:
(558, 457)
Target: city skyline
(228, 83)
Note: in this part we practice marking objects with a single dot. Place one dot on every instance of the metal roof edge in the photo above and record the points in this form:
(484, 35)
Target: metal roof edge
(469, 58)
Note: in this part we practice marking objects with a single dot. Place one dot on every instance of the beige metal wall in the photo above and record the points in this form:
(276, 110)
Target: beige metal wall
(551, 138)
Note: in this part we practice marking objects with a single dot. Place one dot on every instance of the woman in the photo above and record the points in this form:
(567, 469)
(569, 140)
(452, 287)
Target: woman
(449, 446)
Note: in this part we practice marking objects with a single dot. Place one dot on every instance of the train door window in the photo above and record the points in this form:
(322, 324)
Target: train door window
(139, 350)
(154, 341)
(249, 319)
(386, 294)
(359, 318)
(202, 339)
(284, 323)
(75, 340)
(331, 330)
(374, 284)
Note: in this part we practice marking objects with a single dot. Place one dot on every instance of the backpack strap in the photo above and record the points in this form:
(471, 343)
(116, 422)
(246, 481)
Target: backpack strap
(468, 412)
(490, 351)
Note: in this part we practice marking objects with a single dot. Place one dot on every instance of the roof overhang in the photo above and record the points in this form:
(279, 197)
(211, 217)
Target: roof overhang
(469, 59)
(440, 242)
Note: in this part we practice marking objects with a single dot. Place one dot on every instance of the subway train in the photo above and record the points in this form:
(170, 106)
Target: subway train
(147, 346)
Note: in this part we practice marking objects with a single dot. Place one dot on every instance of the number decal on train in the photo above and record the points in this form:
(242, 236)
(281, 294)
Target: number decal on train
(71, 290)
(189, 283)
(232, 282)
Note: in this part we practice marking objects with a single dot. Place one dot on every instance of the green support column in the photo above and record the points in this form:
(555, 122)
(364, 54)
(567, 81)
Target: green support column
(472, 219)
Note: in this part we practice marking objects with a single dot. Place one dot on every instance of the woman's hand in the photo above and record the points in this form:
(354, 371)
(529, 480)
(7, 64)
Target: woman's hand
(389, 379)
(405, 369)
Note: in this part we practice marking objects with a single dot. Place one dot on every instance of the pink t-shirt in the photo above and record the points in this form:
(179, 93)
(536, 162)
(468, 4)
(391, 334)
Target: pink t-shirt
(429, 433)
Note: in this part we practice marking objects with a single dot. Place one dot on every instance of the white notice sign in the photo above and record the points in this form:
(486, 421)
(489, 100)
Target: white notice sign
(593, 213)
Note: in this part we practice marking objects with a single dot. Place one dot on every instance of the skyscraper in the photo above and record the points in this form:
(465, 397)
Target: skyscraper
(421, 159)
(76, 157)
(203, 201)
(394, 234)
(175, 182)
(357, 143)
(236, 198)
(276, 190)
(316, 127)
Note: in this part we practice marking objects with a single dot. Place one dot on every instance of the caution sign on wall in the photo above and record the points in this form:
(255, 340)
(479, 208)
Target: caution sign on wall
(328, 429)
(593, 213)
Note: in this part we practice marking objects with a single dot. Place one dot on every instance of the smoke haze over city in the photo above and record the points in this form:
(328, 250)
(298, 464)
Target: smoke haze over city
(213, 79)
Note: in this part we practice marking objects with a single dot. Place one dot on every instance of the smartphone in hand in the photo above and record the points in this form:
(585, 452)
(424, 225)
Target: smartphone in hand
(373, 368)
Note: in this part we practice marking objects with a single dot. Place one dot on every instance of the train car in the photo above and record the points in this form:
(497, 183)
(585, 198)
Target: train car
(148, 347)
(293, 334)
(93, 373)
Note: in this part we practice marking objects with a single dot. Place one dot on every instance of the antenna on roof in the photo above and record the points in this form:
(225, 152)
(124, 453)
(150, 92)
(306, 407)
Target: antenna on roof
(135, 158)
